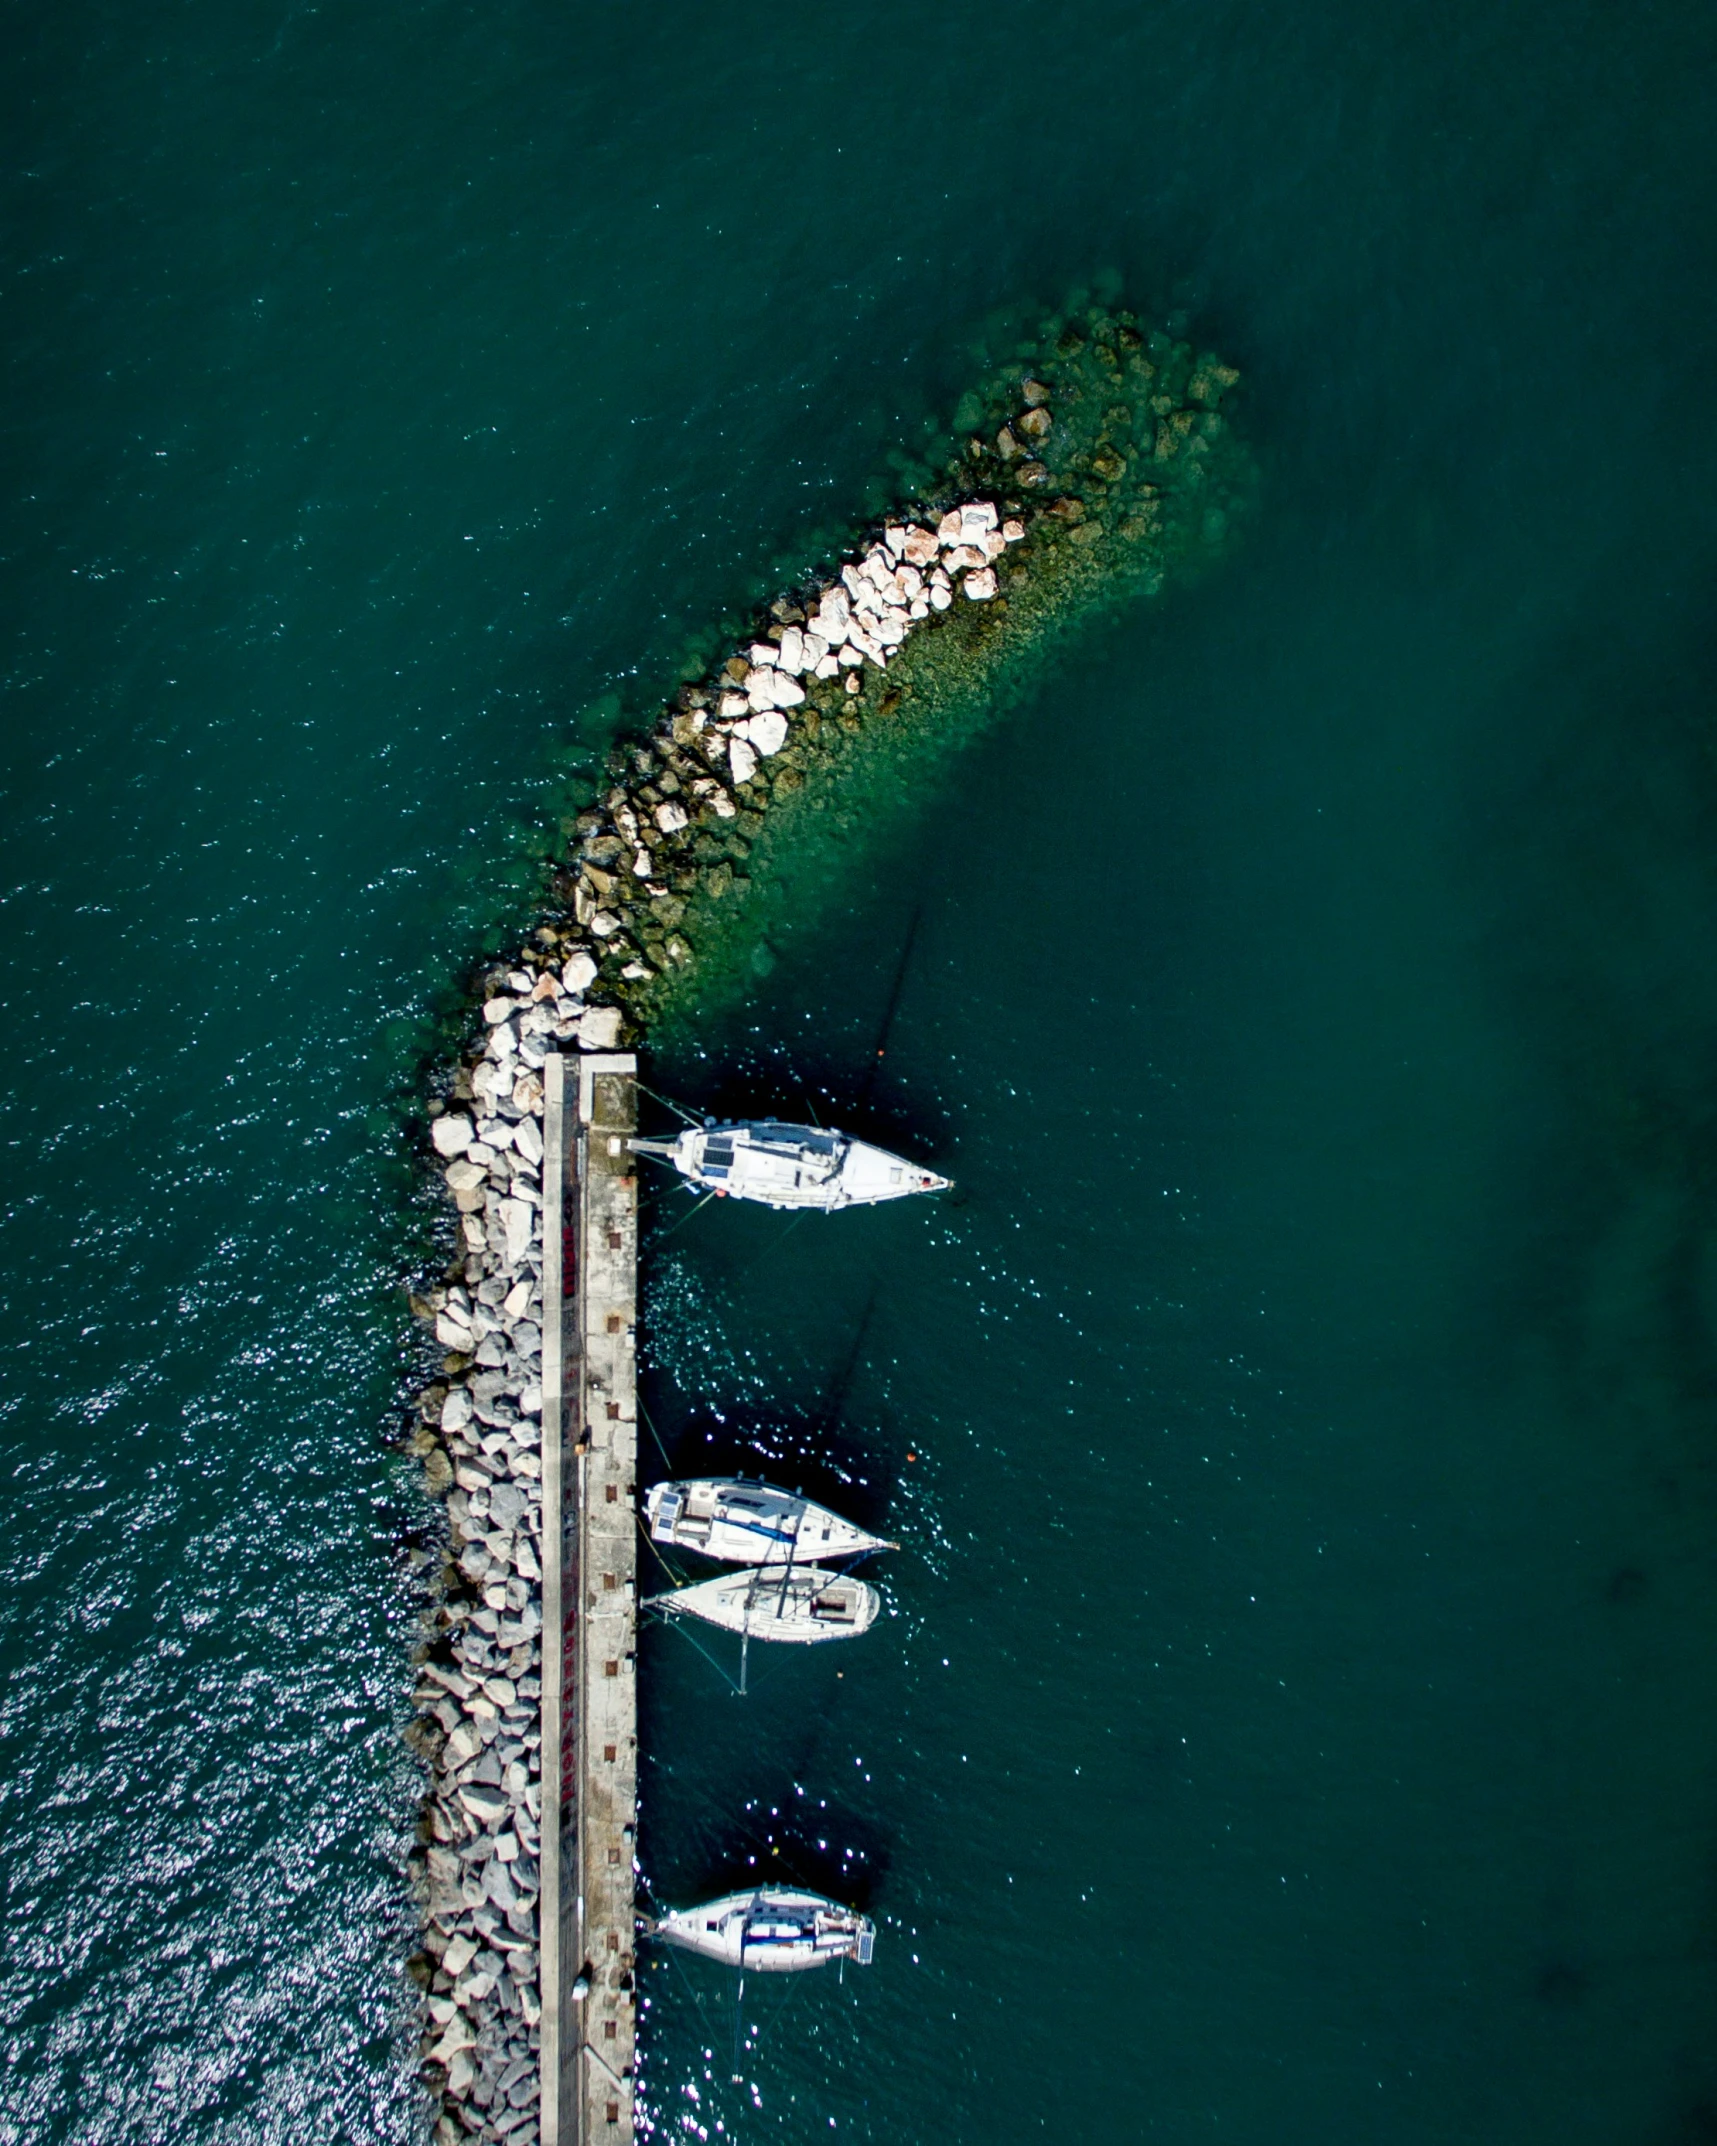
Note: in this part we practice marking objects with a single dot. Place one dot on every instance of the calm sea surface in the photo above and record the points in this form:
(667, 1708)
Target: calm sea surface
(1294, 1720)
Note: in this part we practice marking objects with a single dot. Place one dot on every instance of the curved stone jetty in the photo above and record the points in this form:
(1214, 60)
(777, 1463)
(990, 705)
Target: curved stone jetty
(1091, 466)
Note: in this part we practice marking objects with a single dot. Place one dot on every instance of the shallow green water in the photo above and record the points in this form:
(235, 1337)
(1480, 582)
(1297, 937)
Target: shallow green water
(1295, 1718)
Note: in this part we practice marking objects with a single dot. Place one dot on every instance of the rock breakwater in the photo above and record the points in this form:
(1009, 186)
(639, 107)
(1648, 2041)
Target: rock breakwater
(1093, 464)
(479, 1695)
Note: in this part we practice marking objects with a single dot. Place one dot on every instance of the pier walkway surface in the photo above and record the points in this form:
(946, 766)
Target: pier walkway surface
(590, 1621)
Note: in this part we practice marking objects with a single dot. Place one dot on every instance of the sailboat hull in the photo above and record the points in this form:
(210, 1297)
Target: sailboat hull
(791, 1166)
(742, 1523)
(772, 1931)
(798, 1604)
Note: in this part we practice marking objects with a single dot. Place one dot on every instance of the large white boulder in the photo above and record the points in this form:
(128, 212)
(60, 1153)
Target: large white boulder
(981, 586)
(580, 971)
(516, 1220)
(742, 756)
(452, 1134)
(599, 1028)
(772, 689)
(768, 731)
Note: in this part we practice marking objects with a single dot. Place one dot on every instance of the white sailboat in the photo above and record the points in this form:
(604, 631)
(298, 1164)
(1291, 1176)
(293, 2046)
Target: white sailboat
(774, 1930)
(800, 1604)
(790, 1165)
(745, 1523)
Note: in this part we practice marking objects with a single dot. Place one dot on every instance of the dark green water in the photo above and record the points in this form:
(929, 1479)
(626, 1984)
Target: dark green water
(1295, 1720)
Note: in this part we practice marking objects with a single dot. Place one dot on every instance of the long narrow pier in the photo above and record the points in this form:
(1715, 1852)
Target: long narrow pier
(590, 1609)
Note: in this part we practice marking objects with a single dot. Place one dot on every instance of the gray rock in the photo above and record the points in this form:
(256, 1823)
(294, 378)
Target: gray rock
(485, 1803)
(507, 1504)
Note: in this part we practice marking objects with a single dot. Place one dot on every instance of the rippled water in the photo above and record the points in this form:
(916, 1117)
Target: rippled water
(1293, 1720)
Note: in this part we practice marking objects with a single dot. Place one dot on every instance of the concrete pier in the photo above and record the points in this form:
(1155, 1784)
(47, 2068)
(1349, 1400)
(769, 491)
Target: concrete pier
(590, 1713)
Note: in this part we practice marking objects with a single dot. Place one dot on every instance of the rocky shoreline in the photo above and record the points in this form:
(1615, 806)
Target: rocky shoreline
(1086, 472)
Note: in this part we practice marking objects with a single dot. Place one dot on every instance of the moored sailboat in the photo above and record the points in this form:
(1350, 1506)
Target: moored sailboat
(800, 1166)
(800, 1604)
(775, 1930)
(745, 1523)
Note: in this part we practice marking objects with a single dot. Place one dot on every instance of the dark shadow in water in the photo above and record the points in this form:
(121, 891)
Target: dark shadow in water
(1598, 843)
(824, 1850)
(1561, 1984)
(886, 1031)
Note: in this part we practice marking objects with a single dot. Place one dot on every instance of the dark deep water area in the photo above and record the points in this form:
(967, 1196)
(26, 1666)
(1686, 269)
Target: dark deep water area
(1294, 1720)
